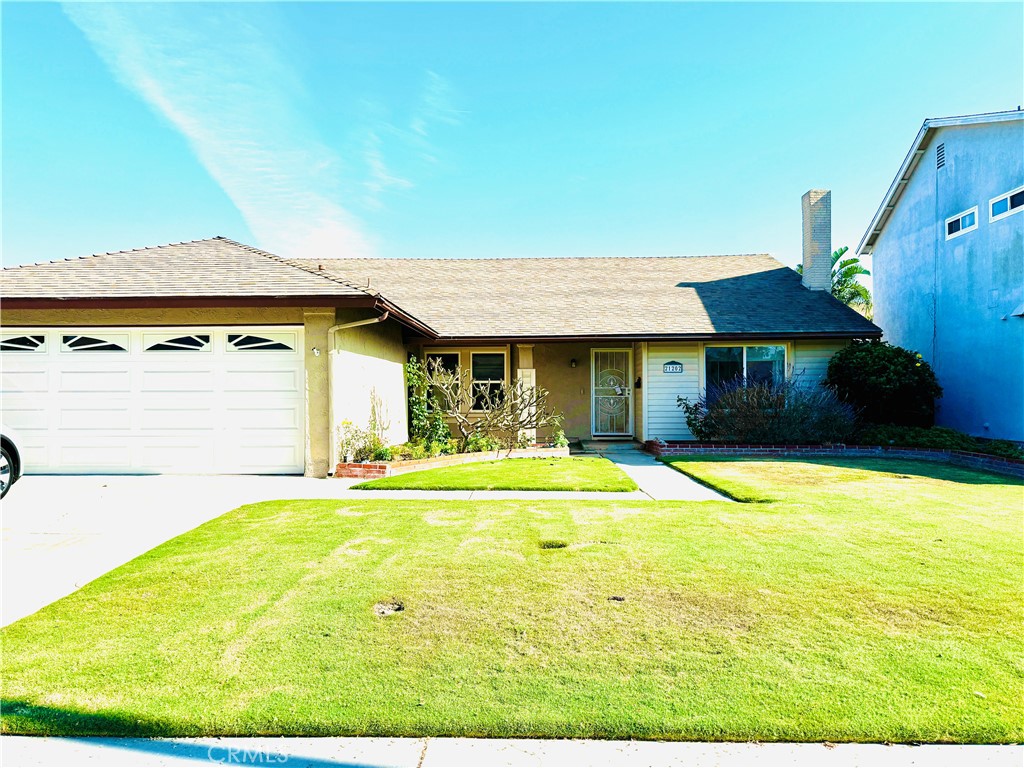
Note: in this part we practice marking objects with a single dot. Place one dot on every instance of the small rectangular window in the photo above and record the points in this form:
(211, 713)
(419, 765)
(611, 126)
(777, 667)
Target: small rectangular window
(1006, 205)
(962, 223)
(488, 372)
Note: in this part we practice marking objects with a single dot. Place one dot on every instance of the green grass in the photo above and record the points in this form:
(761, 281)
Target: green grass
(576, 473)
(870, 601)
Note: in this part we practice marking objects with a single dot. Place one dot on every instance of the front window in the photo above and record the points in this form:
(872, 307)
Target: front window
(449, 362)
(488, 372)
(755, 364)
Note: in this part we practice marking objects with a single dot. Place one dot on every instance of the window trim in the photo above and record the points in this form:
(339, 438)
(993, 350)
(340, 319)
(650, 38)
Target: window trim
(503, 351)
(787, 363)
(1009, 211)
(962, 230)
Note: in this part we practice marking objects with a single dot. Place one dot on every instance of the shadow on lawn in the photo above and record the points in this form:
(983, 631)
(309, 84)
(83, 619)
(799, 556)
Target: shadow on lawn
(142, 736)
(935, 470)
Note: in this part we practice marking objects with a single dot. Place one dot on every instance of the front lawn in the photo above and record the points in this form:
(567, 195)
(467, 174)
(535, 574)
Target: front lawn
(566, 473)
(870, 600)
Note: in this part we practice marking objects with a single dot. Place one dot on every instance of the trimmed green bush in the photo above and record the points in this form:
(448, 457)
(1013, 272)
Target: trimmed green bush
(885, 383)
(788, 411)
(935, 437)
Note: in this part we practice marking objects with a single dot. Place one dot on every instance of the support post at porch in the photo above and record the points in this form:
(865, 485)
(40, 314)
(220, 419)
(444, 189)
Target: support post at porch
(527, 375)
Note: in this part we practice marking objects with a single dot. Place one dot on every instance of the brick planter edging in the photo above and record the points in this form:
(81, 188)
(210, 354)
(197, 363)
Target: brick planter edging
(373, 470)
(1005, 466)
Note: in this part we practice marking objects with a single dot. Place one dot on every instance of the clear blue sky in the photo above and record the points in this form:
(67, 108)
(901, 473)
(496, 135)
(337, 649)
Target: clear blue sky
(475, 129)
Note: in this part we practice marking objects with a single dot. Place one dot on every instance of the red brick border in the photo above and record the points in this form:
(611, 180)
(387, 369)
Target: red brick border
(388, 468)
(1005, 466)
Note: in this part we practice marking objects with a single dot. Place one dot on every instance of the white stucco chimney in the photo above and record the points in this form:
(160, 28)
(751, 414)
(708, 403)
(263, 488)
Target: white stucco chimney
(817, 210)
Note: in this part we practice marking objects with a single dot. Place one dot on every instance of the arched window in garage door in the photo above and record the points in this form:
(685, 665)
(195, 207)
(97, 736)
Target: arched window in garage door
(107, 343)
(33, 343)
(264, 342)
(199, 342)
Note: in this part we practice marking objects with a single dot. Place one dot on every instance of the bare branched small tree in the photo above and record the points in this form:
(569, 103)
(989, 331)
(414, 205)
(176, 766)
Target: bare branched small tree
(502, 411)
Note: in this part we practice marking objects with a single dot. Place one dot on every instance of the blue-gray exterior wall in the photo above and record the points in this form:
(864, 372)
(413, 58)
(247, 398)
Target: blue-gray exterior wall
(951, 300)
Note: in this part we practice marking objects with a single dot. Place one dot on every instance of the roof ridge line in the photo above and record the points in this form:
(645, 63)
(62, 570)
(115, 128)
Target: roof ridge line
(386, 259)
(287, 263)
(117, 253)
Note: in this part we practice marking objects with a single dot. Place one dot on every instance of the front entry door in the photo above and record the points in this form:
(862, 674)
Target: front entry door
(612, 388)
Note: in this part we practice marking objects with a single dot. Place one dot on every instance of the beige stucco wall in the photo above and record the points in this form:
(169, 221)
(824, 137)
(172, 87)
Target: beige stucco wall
(568, 387)
(315, 320)
(368, 361)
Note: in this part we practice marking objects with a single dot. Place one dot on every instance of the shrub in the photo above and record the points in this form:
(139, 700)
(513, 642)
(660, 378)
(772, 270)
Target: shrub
(479, 441)
(885, 383)
(426, 416)
(560, 440)
(935, 437)
(769, 412)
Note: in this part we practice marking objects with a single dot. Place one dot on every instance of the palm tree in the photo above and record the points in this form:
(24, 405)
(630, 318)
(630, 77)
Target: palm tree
(844, 282)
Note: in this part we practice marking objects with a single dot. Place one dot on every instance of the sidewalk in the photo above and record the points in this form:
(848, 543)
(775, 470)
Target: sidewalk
(480, 753)
(656, 479)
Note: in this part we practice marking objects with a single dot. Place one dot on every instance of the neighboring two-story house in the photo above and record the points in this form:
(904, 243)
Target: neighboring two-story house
(948, 265)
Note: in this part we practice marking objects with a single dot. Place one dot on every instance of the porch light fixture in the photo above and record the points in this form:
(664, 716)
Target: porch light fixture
(572, 363)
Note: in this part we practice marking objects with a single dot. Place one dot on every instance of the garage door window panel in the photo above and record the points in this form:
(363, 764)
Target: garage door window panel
(95, 343)
(23, 344)
(271, 342)
(176, 343)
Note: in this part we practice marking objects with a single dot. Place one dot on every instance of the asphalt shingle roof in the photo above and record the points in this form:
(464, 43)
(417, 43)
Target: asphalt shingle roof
(217, 267)
(473, 298)
(629, 296)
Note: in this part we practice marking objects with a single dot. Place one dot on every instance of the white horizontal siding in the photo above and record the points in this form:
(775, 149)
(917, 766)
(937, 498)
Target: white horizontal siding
(665, 419)
(810, 359)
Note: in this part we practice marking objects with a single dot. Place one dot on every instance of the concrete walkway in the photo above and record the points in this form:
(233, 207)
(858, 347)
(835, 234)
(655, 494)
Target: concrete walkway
(656, 479)
(481, 753)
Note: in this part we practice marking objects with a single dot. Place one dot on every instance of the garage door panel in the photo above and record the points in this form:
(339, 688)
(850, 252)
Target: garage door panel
(95, 419)
(158, 407)
(33, 380)
(283, 454)
(194, 419)
(94, 380)
(182, 380)
(263, 380)
(94, 455)
(264, 418)
(25, 417)
(177, 456)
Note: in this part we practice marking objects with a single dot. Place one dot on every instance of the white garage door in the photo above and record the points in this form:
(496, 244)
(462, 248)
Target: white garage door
(139, 400)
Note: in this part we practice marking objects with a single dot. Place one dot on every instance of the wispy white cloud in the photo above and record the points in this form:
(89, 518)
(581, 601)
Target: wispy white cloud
(215, 75)
(380, 179)
(405, 142)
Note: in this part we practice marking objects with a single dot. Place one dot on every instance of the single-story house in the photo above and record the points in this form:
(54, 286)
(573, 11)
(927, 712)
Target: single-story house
(213, 356)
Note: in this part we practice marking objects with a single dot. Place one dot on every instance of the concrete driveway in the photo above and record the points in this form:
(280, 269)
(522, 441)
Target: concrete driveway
(60, 533)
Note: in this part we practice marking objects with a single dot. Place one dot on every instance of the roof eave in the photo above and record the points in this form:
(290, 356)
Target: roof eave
(154, 302)
(781, 335)
(917, 149)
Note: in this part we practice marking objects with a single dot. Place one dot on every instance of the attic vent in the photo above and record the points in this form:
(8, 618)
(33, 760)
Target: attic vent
(940, 156)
